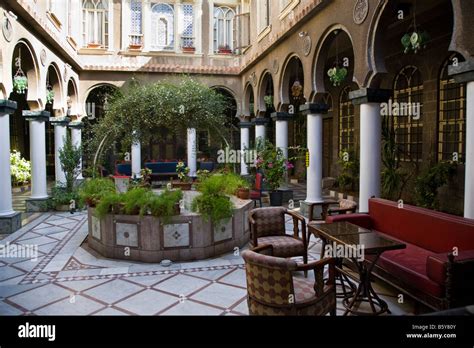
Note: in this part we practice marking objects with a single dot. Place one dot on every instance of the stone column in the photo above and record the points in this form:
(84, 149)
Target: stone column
(260, 129)
(10, 221)
(39, 192)
(281, 138)
(314, 113)
(464, 73)
(60, 133)
(76, 139)
(244, 147)
(370, 142)
(192, 152)
(136, 159)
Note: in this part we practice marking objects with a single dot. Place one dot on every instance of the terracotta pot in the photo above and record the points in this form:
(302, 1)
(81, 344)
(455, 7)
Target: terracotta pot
(135, 47)
(94, 45)
(225, 51)
(243, 193)
(188, 49)
(184, 186)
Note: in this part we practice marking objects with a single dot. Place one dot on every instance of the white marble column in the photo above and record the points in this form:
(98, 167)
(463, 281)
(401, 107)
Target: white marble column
(6, 108)
(314, 189)
(281, 138)
(244, 146)
(260, 130)
(469, 176)
(37, 121)
(76, 139)
(370, 142)
(60, 133)
(136, 159)
(192, 152)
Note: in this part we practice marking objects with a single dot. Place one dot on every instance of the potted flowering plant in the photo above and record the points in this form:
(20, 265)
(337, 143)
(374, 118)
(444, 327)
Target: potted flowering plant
(273, 165)
(20, 170)
(185, 182)
(20, 84)
(225, 49)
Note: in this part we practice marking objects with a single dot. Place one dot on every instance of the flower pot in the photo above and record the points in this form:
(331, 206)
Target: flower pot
(184, 186)
(94, 45)
(276, 198)
(225, 51)
(243, 193)
(63, 207)
(135, 46)
(188, 49)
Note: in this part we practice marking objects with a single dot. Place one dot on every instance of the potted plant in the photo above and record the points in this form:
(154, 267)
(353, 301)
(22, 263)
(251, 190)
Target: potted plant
(273, 165)
(63, 200)
(337, 75)
(415, 41)
(185, 182)
(93, 190)
(225, 49)
(20, 171)
(188, 48)
(94, 45)
(20, 84)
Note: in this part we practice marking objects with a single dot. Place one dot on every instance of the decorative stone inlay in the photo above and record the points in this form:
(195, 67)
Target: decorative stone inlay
(176, 235)
(361, 10)
(126, 234)
(276, 66)
(7, 29)
(307, 45)
(43, 57)
(223, 231)
(95, 224)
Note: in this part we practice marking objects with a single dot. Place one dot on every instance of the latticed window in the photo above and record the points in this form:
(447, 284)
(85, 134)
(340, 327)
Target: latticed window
(95, 21)
(136, 22)
(162, 27)
(188, 25)
(408, 91)
(346, 121)
(223, 28)
(451, 117)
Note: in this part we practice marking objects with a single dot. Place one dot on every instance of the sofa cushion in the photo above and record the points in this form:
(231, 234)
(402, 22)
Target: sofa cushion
(435, 231)
(436, 266)
(409, 265)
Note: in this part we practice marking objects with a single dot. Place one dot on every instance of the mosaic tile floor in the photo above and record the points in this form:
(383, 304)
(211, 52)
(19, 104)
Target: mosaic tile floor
(67, 279)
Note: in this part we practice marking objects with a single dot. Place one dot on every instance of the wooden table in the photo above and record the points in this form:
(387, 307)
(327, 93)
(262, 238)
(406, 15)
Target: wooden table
(371, 243)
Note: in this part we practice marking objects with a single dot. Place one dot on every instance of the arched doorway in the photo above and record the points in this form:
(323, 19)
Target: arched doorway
(266, 103)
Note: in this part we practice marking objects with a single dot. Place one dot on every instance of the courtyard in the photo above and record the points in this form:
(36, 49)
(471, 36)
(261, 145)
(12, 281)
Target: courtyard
(236, 158)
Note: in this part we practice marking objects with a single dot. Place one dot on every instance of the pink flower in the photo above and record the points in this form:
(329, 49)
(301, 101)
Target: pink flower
(270, 165)
(289, 165)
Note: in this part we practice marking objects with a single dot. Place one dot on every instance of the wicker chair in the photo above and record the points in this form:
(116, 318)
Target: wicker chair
(267, 227)
(272, 289)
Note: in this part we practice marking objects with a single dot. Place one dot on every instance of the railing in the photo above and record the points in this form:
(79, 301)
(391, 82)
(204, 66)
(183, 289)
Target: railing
(187, 43)
(136, 40)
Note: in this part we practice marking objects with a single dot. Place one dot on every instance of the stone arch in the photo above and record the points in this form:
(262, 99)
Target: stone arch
(238, 106)
(248, 102)
(29, 65)
(321, 56)
(72, 98)
(292, 71)
(89, 94)
(55, 83)
(265, 85)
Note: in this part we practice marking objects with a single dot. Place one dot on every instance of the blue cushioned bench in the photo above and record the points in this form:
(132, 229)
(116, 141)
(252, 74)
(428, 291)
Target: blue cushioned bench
(160, 170)
(124, 169)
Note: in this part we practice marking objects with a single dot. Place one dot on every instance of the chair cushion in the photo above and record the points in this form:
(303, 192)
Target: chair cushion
(283, 246)
(255, 195)
(269, 221)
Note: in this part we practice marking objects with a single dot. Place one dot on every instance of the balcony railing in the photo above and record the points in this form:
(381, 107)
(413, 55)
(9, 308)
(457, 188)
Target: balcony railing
(136, 41)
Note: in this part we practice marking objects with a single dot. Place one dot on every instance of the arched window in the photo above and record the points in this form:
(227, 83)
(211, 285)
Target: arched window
(408, 93)
(451, 116)
(95, 22)
(346, 121)
(162, 27)
(223, 29)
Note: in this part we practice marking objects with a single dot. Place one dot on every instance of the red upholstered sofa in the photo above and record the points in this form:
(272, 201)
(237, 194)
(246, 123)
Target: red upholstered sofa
(437, 266)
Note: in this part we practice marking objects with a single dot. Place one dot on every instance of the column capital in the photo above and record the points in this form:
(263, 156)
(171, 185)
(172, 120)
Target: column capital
(76, 125)
(370, 95)
(281, 116)
(36, 115)
(7, 107)
(462, 72)
(245, 124)
(59, 121)
(314, 108)
(260, 121)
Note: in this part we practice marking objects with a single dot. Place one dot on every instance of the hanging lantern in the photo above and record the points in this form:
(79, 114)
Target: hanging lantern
(415, 39)
(49, 93)
(336, 74)
(297, 89)
(20, 81)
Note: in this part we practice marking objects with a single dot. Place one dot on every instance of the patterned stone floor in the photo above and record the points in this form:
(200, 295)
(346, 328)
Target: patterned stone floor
(66, 279)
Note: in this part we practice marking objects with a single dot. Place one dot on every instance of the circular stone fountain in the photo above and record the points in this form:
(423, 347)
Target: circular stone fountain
(187, 237)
